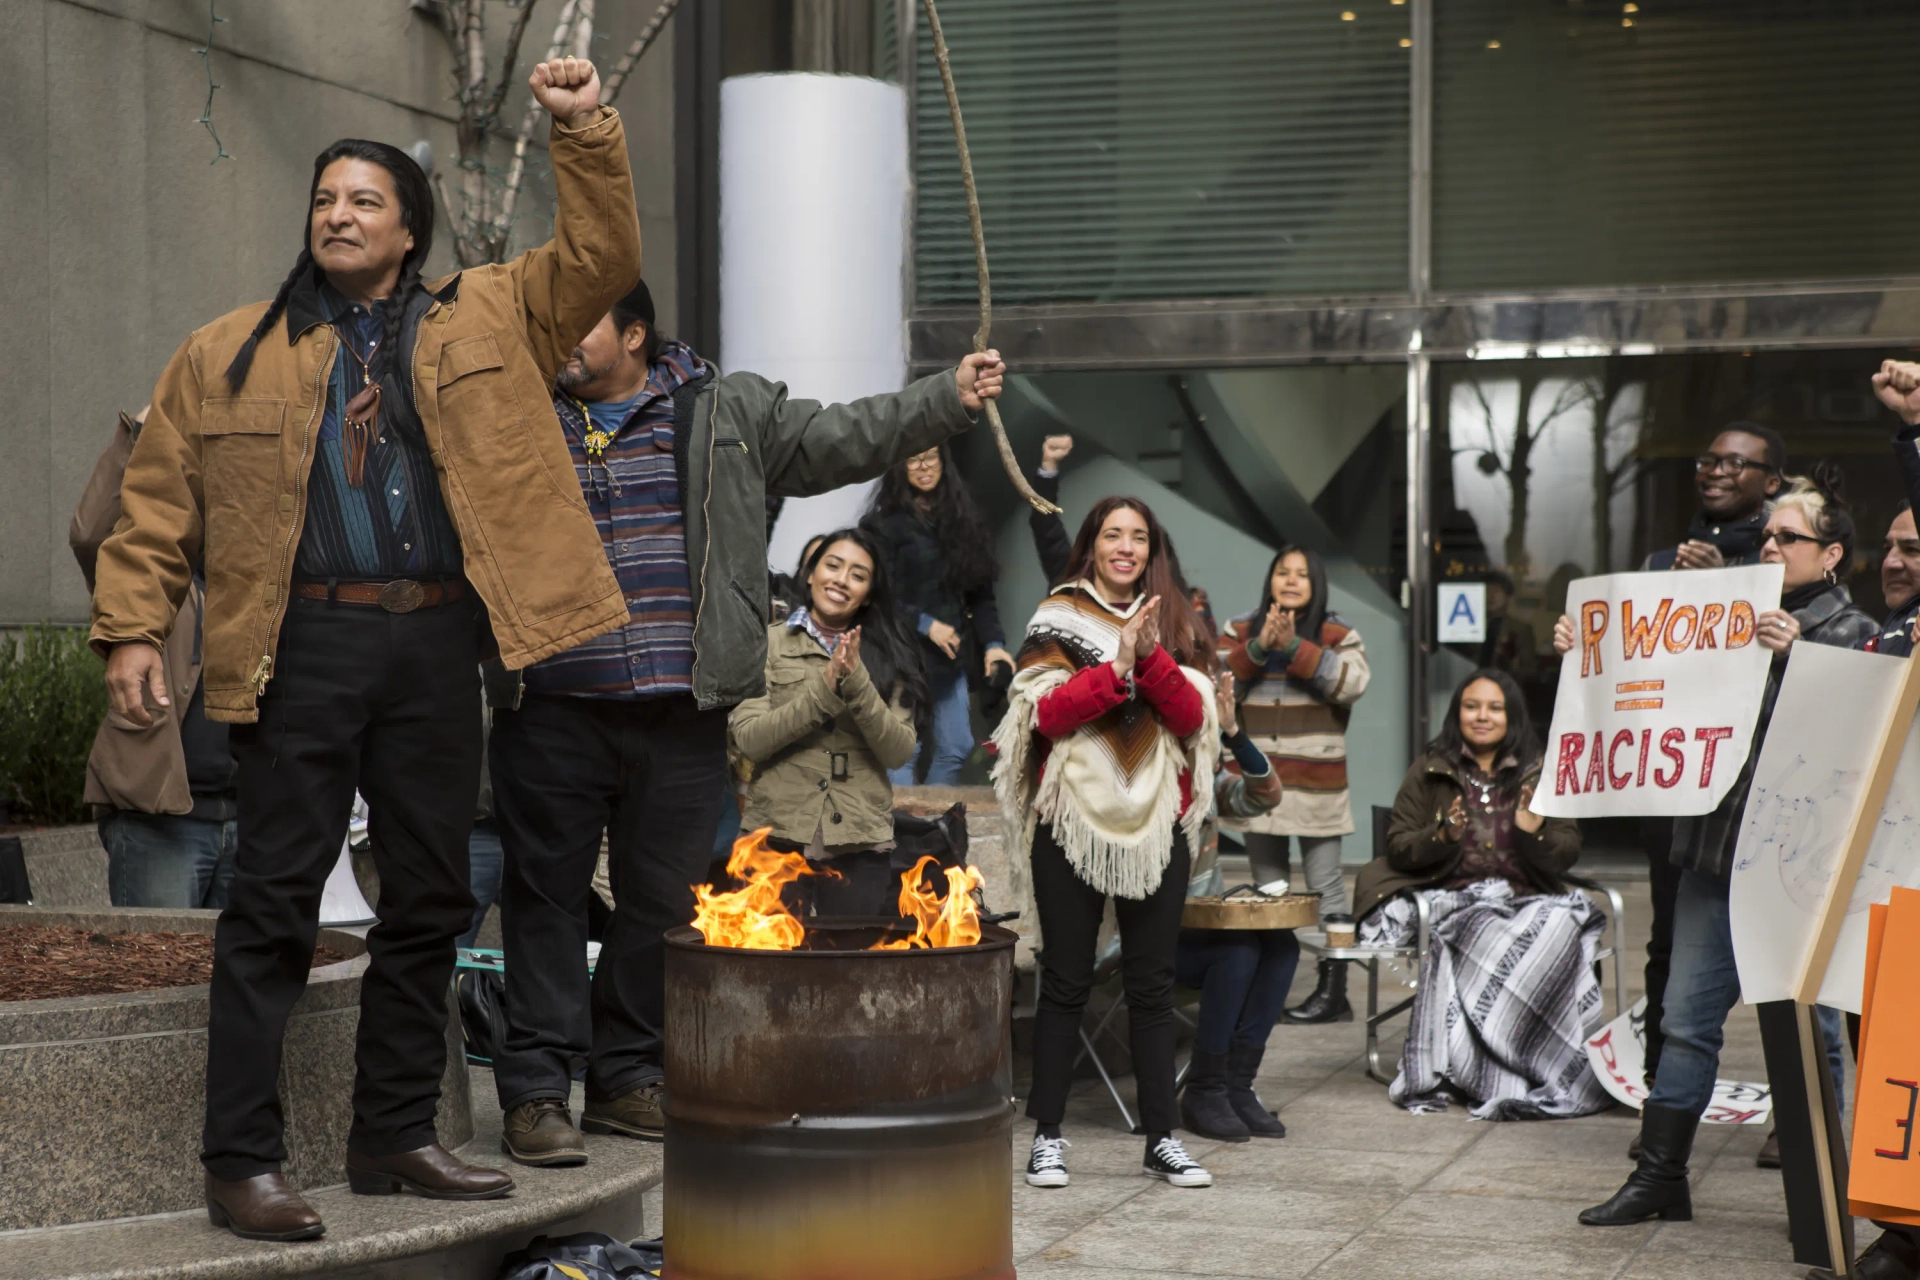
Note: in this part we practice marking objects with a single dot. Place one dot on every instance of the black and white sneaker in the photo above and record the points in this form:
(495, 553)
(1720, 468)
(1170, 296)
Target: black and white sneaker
(1169, 1161)
(1045, 1168)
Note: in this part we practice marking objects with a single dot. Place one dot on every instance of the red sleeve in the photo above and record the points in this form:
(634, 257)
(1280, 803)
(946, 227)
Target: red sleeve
(1088, 696)
(1169, 692)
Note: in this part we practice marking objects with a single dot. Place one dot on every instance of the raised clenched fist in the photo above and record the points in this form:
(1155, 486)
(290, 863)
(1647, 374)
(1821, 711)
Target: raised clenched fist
(569, 88)
(1898, 386)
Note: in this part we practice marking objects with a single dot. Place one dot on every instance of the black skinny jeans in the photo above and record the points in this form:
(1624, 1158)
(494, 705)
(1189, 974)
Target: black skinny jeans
(650, 773)
(1070, 911)
(389, 703)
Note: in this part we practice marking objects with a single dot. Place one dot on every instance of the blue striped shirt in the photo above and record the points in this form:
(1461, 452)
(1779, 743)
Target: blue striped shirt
(395, 524)
(635, 499)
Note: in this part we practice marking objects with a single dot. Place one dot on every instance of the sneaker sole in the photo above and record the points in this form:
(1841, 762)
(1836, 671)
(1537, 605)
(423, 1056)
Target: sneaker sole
(594, 1124)
(1048, 1181)
(567, 1157)
(1174, 1180)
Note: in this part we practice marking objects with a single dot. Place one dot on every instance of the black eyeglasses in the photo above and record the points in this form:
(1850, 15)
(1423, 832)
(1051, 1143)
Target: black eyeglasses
(1787, 538)
(1730, 464)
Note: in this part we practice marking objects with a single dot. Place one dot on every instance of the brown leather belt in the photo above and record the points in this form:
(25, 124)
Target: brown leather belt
(402, 595)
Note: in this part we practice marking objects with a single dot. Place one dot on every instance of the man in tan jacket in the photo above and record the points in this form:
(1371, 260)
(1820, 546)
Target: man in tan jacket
(369, 471)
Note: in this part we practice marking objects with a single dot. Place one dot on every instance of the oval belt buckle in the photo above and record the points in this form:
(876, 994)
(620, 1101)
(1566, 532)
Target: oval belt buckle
(402, 595)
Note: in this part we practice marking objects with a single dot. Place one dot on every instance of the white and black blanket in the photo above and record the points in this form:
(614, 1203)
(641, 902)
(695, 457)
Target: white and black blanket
(1507, 996)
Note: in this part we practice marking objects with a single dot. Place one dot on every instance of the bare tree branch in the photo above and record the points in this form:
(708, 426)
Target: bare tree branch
(611, 86)
(565, 32)
(514, 35)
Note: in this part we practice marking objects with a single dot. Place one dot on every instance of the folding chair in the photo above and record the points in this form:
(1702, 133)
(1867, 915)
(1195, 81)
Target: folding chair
(1414, 956)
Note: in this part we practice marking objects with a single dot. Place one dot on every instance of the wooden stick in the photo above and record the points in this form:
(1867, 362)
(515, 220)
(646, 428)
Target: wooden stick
(1860, 829)
(1007, 460)
(1832, 1207)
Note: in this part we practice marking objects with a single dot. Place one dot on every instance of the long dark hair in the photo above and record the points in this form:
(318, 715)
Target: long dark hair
(416, 210)
(1180, 633)
(966, 544)
(888, 650)
(1307, 621)
(1519, 745)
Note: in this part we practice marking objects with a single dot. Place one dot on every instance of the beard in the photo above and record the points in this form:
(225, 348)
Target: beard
(578, 372)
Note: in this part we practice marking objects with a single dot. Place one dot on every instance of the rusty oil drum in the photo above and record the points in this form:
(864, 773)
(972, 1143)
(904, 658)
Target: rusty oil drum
(839, 1114)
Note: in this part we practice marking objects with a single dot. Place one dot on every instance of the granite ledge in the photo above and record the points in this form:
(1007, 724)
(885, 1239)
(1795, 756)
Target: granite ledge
(362, 1231)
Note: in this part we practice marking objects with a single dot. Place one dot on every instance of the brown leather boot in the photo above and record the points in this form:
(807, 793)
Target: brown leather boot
(431, 1171)
(262, 1208)
(637, 1113)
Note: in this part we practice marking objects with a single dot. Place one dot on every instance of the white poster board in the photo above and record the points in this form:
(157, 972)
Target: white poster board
(1806, 784)
(1659, 698)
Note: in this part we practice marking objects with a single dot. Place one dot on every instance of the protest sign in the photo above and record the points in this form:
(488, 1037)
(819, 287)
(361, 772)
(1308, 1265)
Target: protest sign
(1884, 1181)
(1658, 699)
(1820, 753)
(1618, 1056)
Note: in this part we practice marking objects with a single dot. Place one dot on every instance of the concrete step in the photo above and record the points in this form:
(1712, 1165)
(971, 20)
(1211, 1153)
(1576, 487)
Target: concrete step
(368, 1237)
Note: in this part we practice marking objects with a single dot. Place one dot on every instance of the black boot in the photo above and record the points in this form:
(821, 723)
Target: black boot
(1243, 1061)
(1658, 1185)
(1328, 1003)
(1204, 1108)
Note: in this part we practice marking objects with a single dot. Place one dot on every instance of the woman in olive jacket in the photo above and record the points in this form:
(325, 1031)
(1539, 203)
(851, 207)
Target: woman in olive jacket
(845, 700)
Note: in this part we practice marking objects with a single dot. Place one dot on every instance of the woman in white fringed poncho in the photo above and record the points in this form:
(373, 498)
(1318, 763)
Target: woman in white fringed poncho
(1110, 721)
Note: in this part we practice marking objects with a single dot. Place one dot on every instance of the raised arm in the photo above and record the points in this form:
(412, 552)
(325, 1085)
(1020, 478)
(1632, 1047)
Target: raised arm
(808, 448)
(1416, 839)
(888, 729)
(568, 283)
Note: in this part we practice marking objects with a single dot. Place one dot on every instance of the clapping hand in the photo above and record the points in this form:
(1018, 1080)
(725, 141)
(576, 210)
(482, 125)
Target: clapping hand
(1456, 819)
(1276, 633)
(1139, 637)
(1523, 815)
(846, 656)
(1698, 555)
(1223, 703)
(569, 88)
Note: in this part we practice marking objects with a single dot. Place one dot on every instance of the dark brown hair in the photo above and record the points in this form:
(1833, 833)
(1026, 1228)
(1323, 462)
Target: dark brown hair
(1180, 634)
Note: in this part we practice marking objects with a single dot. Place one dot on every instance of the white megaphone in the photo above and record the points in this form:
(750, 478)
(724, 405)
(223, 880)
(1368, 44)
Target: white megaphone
(341, 902)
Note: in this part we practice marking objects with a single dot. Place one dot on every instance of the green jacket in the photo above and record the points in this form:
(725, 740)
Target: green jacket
(799, 730)
(747, 440)
(1420, 856)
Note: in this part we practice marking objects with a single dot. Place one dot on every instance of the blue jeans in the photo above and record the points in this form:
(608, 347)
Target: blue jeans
(1703, 985)
(168, 859)
(484, 861)
(1243, 976)
(952, 734)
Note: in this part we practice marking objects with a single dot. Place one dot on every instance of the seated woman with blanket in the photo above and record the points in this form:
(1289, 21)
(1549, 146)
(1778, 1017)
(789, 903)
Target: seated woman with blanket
(1507, 994)
(1106, 753)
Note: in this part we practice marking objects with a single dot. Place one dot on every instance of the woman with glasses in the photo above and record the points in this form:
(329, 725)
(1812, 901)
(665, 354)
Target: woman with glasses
(1810, 535)
(939, 555)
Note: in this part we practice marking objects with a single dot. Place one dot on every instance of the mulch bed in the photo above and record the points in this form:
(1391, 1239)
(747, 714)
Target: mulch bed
(47, 962)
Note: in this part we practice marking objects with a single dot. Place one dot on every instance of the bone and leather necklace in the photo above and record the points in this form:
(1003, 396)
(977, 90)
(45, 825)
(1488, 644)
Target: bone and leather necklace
(361, 417)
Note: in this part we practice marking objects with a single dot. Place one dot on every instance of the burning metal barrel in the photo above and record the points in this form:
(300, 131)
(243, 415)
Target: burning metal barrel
(839, 1111)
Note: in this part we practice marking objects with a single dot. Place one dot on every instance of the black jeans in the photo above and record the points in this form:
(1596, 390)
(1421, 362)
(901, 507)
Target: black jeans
(1663, 882)
(1070, 911)
(389, 703)
(1243, 976)
(649, 772)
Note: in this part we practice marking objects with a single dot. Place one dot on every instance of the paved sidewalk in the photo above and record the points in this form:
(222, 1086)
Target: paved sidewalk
(1361, 1189)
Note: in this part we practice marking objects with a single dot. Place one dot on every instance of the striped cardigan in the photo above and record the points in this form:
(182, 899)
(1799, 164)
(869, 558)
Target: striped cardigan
(1299, 719)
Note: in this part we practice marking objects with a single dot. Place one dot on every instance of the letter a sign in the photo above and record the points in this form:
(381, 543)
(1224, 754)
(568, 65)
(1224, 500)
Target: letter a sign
(1659, 697)
(1463, 613)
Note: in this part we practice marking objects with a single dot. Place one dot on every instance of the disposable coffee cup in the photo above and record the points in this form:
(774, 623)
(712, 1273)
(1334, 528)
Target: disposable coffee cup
(1340, 931)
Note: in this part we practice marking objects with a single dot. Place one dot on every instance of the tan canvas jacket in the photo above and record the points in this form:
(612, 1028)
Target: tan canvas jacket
(131, 767)
(221, 479)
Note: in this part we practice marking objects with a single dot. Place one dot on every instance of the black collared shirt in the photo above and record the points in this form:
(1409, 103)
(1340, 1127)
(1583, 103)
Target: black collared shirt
(394, 524)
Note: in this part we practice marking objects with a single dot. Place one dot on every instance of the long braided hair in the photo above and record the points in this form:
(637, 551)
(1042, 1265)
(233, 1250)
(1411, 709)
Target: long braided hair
(416, 210)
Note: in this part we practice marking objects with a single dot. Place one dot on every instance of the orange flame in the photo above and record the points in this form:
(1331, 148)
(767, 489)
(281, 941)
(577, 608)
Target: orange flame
(753, 917)
(952, 921)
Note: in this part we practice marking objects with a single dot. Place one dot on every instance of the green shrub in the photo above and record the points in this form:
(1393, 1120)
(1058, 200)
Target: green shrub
(52, 700)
